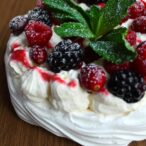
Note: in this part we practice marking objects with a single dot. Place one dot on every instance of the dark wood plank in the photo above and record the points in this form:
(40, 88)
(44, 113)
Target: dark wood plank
(13, 131)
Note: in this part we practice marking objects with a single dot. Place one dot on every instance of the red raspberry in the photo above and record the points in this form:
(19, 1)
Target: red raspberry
(141, 50)
(92, 77)
(131, 37)
(101, 5)
(111, 68)
(139, 64)
(39, 3)
(38, 33)
(139, 24)
(136, 10)
(38, 54)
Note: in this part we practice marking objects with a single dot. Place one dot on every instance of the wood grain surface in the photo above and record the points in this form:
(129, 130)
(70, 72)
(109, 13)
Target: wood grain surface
(13, 131)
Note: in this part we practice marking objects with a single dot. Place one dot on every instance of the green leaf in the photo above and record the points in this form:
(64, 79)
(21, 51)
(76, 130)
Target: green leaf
(118, 36)
(92, 14)
(114, 47)
(112, 51)
(111, 15)
(65, 7)
(74, 29)
(62, 16)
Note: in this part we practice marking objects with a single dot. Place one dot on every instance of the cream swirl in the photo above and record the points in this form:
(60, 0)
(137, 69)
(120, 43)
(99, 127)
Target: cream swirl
(110, 105)
(68, 97)
(33, 86)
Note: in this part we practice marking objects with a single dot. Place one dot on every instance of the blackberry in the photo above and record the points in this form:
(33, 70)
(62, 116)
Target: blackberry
(17, 24)
(65, 56)
(127, 85)
(91, 2)
(40, 14)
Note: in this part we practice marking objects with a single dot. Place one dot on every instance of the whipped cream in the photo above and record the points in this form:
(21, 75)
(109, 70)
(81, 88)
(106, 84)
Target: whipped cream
(69, 97)
(55, 39)
(19, 61)
(33, 86)
(16, 41)
(110, 105)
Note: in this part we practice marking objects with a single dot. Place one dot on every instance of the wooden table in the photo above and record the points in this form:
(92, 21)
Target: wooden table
(13, 131)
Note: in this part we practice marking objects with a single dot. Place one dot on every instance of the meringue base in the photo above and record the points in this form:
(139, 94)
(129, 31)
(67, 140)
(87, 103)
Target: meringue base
(84, 127)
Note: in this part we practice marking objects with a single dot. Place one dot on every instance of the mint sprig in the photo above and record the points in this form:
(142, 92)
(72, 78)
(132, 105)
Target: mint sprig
(113, 47)
(73, 29)
(111, 15)
(97, 26)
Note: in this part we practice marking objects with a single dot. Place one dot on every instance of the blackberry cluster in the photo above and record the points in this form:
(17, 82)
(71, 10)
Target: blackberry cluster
(127, 85)
(40, 14)
(17, 24)
(91, 2)
(65, 56)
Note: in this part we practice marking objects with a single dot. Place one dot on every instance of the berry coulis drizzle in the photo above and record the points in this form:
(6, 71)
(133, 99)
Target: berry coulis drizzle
(53, 77)
(20, 56)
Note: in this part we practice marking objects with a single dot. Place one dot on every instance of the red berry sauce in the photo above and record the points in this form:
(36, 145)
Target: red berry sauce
(48, 77)
(20, 56)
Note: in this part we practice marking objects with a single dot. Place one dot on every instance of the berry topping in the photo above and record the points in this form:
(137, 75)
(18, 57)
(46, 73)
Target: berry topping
(111, 68)
(101, 5)
(38, 33)
(131, 37)
(139, 64)
(39, 3)
(136, 10)
(92, 77)
(127, 85)
(38, 54)
(17, 24)
(141, 50)
(139, 24)
(65, 56)
(40, 14)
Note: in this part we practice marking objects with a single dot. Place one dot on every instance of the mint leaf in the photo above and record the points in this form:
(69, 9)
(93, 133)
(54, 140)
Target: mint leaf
(114, 47)
(118, 36)
(74, 29)
(111, 15)
(112, 51)
(65, 7)
(62, 16)
(93, 19)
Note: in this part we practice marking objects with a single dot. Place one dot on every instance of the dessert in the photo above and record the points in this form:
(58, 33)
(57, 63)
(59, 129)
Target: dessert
(77, 69)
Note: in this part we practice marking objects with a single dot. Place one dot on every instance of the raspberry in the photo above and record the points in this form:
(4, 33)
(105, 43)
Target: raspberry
(40, 14)
(111, 68)
(131, 37)
(136, 10)
(38, 33)
(141, 50)
(17, 24)
(139, 64)
(139, 24)
(101, 5)
(65, 56)
(92, 77)
(38, 54)
(39, 3)
(127, 85)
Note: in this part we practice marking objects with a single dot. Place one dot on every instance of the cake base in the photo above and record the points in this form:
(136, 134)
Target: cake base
(86, 127)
